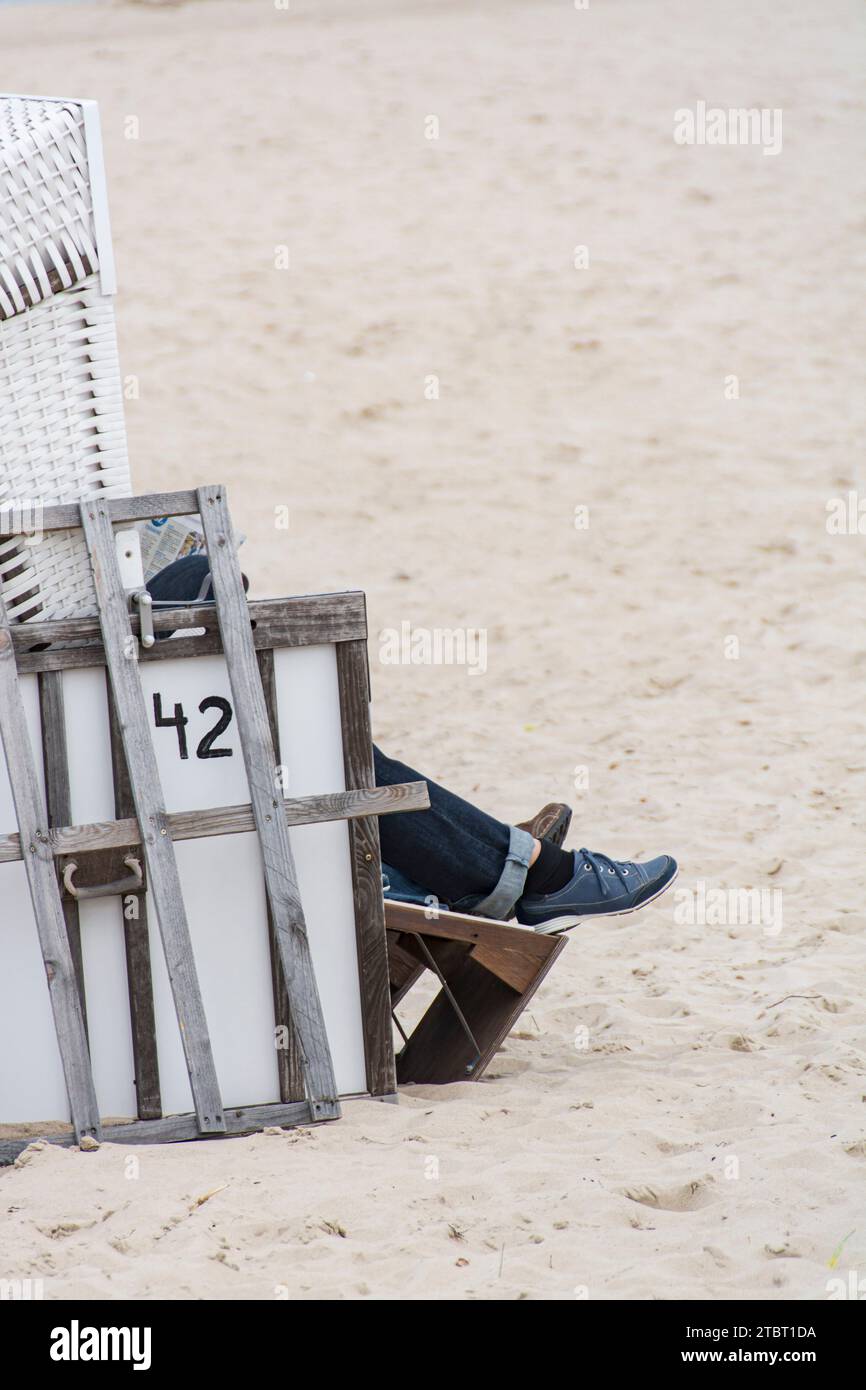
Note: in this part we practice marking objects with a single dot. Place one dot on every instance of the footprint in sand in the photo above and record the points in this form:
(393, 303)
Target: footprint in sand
(675, 1148)
(659, 1008)
(689, 1197)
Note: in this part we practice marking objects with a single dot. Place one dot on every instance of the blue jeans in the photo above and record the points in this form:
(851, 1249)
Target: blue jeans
(452, 855)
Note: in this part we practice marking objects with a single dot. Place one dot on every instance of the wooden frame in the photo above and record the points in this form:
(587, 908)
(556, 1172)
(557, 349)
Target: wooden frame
(247, 634)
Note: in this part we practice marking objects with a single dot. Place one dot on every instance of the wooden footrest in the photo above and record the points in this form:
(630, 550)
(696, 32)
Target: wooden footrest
(489, 971)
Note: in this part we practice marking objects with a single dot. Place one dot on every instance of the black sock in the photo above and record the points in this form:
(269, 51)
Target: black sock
(551, 870)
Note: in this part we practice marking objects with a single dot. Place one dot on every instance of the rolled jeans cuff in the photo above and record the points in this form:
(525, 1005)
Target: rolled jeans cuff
(500, 903)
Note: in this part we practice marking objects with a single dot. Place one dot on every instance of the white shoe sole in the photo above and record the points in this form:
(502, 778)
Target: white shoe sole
(561, 924)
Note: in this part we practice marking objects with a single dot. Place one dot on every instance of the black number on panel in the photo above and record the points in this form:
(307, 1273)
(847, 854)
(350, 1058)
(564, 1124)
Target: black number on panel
(205, 748)
(179, 722)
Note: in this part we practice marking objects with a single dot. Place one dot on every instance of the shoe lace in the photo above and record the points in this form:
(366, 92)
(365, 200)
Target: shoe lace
(604, 869)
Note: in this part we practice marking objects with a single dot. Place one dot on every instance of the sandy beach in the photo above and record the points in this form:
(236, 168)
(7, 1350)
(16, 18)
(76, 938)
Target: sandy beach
(553, 376)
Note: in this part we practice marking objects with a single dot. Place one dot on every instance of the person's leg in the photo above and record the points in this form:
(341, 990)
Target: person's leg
(467, 859)
(449, 850)
(454, 851)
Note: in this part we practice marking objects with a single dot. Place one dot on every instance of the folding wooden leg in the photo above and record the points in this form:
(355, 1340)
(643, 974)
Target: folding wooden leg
(163, 878)
(45, 893)
(261, 768)
(490, 973)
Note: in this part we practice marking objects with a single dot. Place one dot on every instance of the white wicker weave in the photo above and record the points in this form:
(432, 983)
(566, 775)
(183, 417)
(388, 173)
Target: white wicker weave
(47, 238)
(62, 433)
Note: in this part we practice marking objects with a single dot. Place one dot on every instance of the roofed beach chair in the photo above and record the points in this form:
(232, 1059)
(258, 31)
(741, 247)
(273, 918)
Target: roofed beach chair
(63, 440)
(61, 402)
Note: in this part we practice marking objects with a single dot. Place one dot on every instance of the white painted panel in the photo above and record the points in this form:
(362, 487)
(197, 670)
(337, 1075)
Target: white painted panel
(225, 900)
(105, 986)
(91, 792)
(308, 706)
(190, 783)
(88, 747)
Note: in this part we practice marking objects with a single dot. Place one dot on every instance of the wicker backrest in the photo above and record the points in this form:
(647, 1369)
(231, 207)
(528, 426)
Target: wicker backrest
(62, 433)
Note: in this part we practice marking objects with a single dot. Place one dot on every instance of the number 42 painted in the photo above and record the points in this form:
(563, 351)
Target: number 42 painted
(179, 721)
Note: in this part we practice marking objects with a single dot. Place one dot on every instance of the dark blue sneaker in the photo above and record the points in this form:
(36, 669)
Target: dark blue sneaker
(599, 886)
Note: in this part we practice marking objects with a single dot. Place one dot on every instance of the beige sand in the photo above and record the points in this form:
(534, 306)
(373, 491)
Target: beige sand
(595, 1160)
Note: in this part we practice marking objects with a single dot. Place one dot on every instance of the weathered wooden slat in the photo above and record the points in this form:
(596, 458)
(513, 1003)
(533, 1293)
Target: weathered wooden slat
(229, 820)
(56, 767)
(289, 1063)
(139, 976)
(176, 1128)
(86, 629)
(79, 658)
(260, 763)
(366, 871)
(309, 620)
(32, 819)
(66, 517)
(286, 622)
(163, 876)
